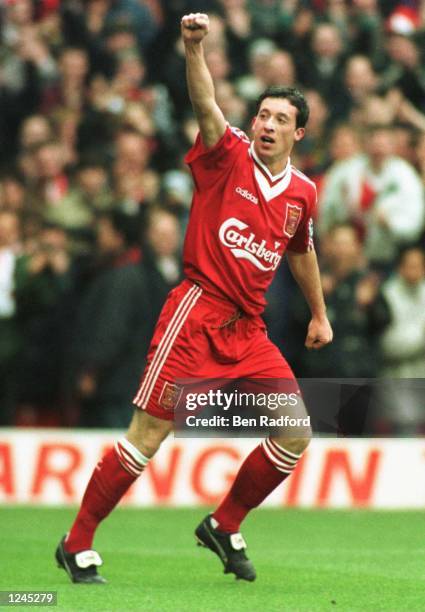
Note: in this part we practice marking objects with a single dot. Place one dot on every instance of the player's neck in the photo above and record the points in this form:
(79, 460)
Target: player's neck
(274, 166)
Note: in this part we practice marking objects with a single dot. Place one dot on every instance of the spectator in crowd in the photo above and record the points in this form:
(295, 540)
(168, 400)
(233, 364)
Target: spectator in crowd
(297, 29)
(401, 398)
(173, 76)
(133, 13)
(12, 193)
(403, 343)
(92, 23)
(51, 182)
(313, 151)
(367, 29)
(238, 33)
(234, 107)
(354, 307)
(16, 102)
(68, 90)
(338, 14)
(81, 26)
(137, 116)
(132, 152)
(130, 84)
(322, 69)
(120, 38)
(10, 332)
(379, 192)
(218, 63)
(161, 258)
(65, 123)
(250, 85)
(43, 281)
(344, 142)
(177, 193)
(404, 142)
(112, 327)
(358, 316)
(100, 121)
(391, 108)
(24, 48)
(268, 17)
(132, 158)
(405, 69)
(34, 130)
(360, 82)
(281, 70)
(88, 196)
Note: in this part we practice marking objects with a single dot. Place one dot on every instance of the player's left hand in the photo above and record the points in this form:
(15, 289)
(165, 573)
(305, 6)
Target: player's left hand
(319, 333)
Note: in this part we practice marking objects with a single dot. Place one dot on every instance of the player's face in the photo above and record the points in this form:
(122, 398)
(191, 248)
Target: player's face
(275, 130)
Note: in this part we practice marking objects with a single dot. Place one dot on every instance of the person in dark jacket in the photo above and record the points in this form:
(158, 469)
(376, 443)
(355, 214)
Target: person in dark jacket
(358, 315)
(112, 326)
(43, 282)
(161, 263)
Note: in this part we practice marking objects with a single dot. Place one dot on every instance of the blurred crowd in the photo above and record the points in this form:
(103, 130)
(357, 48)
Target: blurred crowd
(94, 194)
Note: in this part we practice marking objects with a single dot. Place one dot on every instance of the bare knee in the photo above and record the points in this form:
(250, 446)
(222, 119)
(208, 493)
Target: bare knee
(146, 432)
(295, 445)
(295, 438)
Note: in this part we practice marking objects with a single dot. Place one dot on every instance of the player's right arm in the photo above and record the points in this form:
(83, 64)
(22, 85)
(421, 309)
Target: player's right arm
(211, 121)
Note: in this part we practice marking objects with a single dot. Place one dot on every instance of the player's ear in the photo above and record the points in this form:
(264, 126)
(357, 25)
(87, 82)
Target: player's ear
(253, 121)
(299, 134)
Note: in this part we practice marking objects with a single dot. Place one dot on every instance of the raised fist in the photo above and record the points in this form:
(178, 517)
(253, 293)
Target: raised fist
(194, 27)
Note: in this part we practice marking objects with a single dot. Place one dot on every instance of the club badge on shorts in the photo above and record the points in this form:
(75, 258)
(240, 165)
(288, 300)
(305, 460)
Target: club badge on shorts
(292, 219)
(170, 396)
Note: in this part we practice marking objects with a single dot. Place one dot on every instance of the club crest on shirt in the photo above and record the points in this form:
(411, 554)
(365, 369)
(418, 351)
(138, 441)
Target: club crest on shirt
(170, 396)
(292, 219)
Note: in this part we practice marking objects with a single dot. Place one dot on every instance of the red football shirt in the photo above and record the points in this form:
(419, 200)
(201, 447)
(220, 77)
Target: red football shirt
(243, 219)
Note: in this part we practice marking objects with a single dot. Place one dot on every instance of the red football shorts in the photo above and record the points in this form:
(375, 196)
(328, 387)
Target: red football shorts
(198, 336)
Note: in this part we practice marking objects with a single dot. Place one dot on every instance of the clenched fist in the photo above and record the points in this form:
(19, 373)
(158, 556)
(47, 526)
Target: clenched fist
(194, 27)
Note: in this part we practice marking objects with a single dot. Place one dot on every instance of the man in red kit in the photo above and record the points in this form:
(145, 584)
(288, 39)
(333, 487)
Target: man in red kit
(250, 206)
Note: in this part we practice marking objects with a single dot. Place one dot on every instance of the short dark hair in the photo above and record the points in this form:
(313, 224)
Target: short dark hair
(295, 97)
(405, 250)
(124, 224)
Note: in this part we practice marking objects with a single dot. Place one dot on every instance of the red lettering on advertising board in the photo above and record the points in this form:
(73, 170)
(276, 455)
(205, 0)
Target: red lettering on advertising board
(163, 478)
(6, 473)
(47, 468)
(361, 485)
(199, 484)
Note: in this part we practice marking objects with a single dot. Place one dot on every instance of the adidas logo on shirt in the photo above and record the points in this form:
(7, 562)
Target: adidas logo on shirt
(247, 195)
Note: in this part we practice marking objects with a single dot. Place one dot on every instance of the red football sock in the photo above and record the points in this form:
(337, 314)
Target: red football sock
(262, 471)
(111, 478)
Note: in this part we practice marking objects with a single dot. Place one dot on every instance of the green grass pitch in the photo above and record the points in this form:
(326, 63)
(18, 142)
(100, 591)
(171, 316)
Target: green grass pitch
(306, 561)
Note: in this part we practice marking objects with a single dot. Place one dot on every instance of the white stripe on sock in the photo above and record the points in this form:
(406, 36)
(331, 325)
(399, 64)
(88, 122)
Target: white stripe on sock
(284, 450)
(279, 465)
(281, 452)
(134, 452)
(130, 457)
